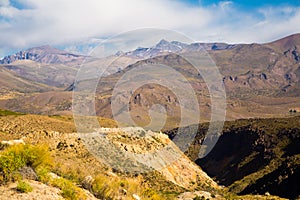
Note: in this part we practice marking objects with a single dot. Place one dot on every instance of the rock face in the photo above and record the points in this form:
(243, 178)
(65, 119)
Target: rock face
(28, 173)
(186, 174)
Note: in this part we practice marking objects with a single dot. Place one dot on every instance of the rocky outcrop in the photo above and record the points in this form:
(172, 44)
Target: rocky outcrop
(146, 151)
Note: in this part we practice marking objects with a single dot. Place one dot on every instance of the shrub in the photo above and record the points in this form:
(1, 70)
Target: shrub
(24, 187)
(15, 157)
(68, 189)
(43, 174)
(71, 172)
(101, 189)
(151, 195)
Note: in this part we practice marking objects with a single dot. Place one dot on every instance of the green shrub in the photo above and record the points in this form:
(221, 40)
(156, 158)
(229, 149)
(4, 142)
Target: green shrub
(24, 187)
(68, 189)
(15, 157)
(43, 174)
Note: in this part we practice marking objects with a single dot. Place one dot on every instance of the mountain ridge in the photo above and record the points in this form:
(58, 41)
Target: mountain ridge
(51, 55)
(43, 54)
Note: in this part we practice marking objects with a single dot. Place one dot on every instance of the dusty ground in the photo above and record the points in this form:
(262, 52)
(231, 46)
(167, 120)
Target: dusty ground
(40, 191)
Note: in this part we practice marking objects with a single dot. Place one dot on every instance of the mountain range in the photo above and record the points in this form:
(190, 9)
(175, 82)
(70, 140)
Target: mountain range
(260, 79)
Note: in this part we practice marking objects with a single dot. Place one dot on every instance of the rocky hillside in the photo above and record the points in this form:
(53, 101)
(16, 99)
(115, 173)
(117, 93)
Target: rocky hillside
(11, 84)
(265, 69)
(65, 168)
(75, 163)
(142, 151)
(260, 80)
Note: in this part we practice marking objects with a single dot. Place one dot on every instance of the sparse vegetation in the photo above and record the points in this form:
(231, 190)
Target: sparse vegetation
(101, 188)
(24, 187)
(7, 113)
(151, 195)
(68, 189)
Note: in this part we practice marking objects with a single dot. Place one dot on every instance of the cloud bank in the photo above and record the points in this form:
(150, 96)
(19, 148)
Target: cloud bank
(30, 23)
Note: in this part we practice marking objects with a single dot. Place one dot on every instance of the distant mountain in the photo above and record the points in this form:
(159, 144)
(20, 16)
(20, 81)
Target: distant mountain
(166, 47)
(55, 67)
(10, 82)
(58, 75)
(266, 69)
(286, 42)
(45, 55)
(160, 48)
(50, 55)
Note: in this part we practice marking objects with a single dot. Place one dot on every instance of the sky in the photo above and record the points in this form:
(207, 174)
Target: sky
(71, 24)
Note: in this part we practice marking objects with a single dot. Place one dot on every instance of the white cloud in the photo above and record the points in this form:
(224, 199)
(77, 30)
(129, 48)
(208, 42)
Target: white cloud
(8, 11)
(59, 22)
(4, 2)
(225, 5)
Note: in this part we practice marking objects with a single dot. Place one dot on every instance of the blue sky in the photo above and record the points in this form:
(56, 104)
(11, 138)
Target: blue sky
(247, 4)
(76, 24)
